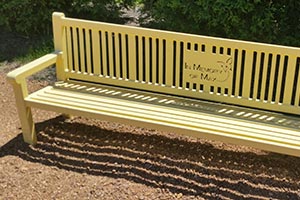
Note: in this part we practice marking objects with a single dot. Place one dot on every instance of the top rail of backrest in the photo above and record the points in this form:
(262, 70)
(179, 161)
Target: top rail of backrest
(232, 71)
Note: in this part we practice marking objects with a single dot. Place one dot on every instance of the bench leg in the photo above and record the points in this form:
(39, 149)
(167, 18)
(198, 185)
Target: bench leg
(28, 128)
(25, 115)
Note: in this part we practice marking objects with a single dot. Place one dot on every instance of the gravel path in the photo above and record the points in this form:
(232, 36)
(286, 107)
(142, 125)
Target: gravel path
(92, 159)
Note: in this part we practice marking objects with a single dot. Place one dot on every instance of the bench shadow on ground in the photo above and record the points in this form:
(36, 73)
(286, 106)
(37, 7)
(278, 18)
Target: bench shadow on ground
(180, 166)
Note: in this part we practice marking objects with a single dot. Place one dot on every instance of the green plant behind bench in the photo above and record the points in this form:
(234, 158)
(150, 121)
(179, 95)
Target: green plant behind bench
(264, 21)
(15, 47)
(34, 17)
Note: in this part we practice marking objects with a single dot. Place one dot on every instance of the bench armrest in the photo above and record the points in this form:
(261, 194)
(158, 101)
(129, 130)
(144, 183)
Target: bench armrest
(18, 75)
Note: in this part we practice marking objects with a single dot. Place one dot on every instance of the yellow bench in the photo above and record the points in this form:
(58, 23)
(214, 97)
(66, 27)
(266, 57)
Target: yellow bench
(234, 91)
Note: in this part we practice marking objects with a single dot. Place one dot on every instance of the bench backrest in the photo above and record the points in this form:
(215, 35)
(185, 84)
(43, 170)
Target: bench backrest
(231, 71)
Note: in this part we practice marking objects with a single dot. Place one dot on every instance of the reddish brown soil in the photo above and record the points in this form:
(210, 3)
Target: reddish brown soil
(91, 159)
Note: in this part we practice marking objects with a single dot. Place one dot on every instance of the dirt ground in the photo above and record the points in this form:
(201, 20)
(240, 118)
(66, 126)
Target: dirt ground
(91, 159)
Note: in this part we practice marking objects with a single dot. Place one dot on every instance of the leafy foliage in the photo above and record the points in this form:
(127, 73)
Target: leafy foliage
(34, 17)
(256, 20)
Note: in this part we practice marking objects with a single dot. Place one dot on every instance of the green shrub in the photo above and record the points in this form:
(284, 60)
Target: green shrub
(256, 20)
(30, 17)
(288, 22)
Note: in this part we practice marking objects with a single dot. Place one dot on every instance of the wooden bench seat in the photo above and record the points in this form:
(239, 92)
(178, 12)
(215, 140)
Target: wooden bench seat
(183, 116)
(228, 90)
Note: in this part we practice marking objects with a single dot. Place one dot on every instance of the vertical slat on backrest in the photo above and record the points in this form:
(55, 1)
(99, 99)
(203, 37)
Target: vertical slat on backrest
(118, 63)
(88, 51)
(96, 51)
(276, 79)
(132, 57)
(289, 80)
(70, 49)
(64, 49)
(154, 60)
(103, 45)
(264, 70)
(160, 66)
(279, 79)
(75, 50)
(230, 53)
(169, 62)
(256, 74)
(81, 48)
(247, 73)
(140, 58)
(124, 56)
(272, 78)
(296, 86)
(238, 55)
(147, 59)
(110, 53)
(176, 67)
(242, 77)
(183, 49)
